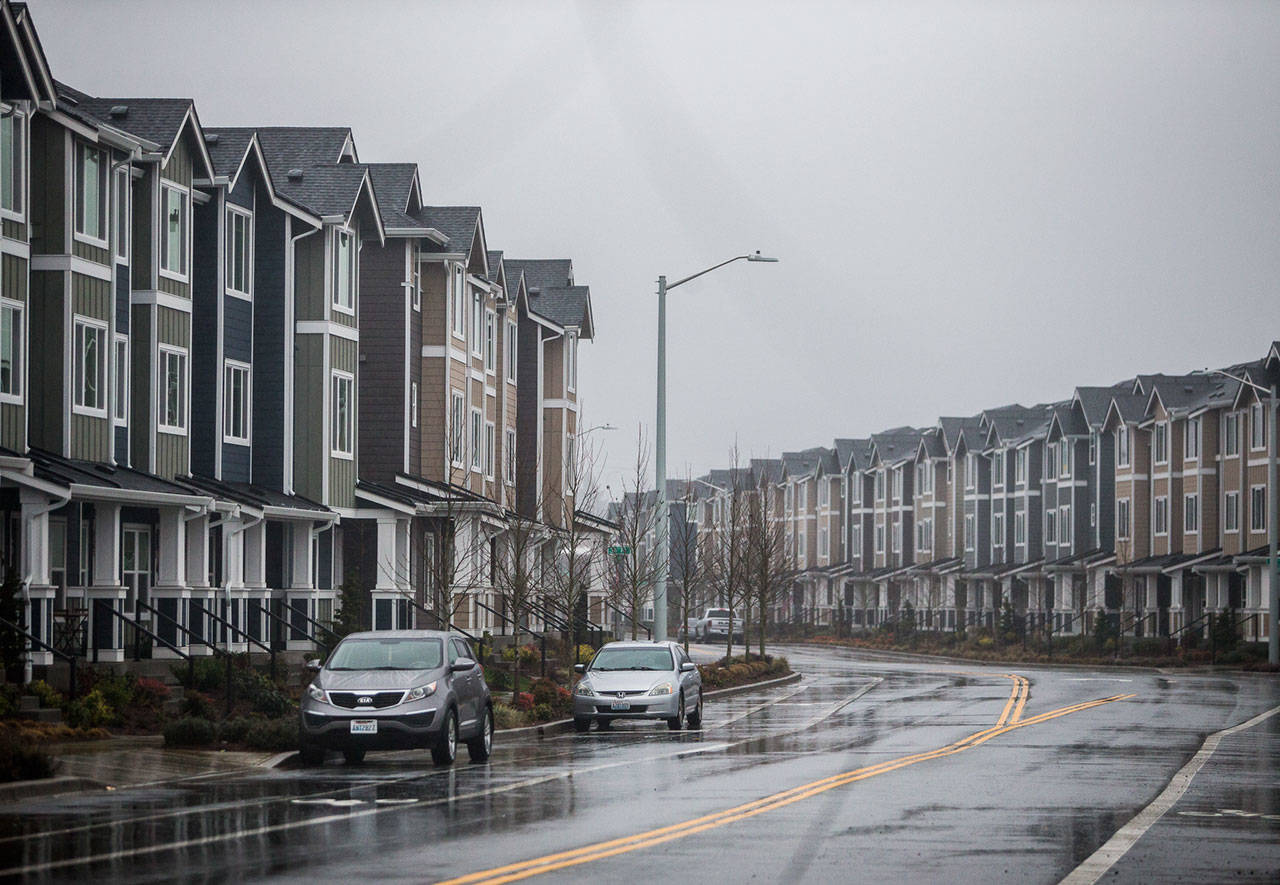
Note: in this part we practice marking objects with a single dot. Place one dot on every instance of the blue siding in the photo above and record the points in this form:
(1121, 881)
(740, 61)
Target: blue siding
(121, 445)
(237, 329)
(204, 340)
(268, 345)
(122, 298)
(235, 463)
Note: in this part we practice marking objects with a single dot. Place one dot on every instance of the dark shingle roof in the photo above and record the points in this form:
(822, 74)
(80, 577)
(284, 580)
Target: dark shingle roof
(458, 223)
(854, 450)
(1191, 393)
(565, 306)
(805, 462)
(325, 190)
(933, 443)
(297, 147)
(543, 273)
(896, 443)
(392, 184)
(493, 258)
(1131, 407)
(157, 120)
(226, 148)
(766, 469)
(1094, 401)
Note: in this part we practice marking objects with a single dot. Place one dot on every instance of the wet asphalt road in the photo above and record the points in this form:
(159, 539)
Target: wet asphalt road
(869, 769)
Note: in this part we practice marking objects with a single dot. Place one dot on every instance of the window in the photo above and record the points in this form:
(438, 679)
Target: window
(1020, 528)
(1051, 527)
(122, 381)
(490, 342)
(509, 456)
(1191, 444)
(879, 538)
(1020, 466)
(457, 431)
(1231, 434)
(90, 359)
(1231, 512)
(802, 544)
(804, 496)
(1093, 514)
(855, 489)
(12, 155)
(997, 469)
(239, 251)
(413, 403)
(970, 471)
(1161, 516)
(475, 440)
(1191, 513)
(11, 350)
(343, 416)
(822, 542)
(344, 271)
(970, 532)
(86, 552)
(91, 193)
(1122, 446)
(416, 282)
(880, 485)
(1064, 525)
(1122, 518)
(489, 445)
(855, 545)
(172, 389)
(174, 203)
(1051, 460)
(1065, 460)
(511, 351)
(1257, 428)
(1093, 449)
(122, 231)
(897, 537)
(571, 361)
(1258, 509)
(477, 324)
(459, 304)
(788, 499)
(997, 530)
(1160, 443)
(824, 494)
(235, 402)
(897, 483)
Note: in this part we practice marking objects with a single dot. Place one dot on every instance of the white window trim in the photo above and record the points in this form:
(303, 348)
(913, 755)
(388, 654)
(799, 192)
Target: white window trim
(176, 275)
(1155, 513)
(76, 233)
(1229, 525)
(490, 449)
(1066, 533)
(166, 350)
(1155, 443)
(1124, 526)
(571, 362)
(248, 217)
(509, 457)
(1051, 526)
(1231, 419)
(124, 201)
(122, 372)
(20, 180)
(1124, 449)
(474, 429)
(413, 404)
(334, 451)
(457, 439)
(1190, 505)
(1019, 528)
(338, 232)
(1261, 411)
(1258, 515)
(17, 397)
(227, 367)
(512, 351)
(458, 326)
(103, 373)
(1191, 440)
(477, 333)
(490, 341)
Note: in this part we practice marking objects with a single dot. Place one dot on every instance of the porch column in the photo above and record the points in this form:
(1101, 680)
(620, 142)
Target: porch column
(183, 548)
(106, 597)
(300, 596)
(233, 595)
(35, 572)
(255, 580)
(387, 580)
(1175, 601)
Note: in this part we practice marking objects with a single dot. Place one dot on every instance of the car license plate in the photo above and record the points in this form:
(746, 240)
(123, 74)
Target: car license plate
(620, 705)
(364, 726)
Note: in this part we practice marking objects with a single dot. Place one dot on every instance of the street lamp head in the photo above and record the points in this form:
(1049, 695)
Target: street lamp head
(756, 256)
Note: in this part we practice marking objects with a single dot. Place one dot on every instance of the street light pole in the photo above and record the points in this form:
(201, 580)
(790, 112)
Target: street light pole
(660, 446)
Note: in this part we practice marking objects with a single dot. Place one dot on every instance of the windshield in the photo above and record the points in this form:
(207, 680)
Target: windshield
(717, 613)
(633, 659)
(387, 654)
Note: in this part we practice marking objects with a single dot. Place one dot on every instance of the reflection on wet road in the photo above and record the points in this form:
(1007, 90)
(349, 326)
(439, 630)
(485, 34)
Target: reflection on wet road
(921, 771)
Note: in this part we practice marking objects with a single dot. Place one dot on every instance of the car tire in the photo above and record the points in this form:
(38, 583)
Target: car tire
(695, 718)
(479, 747)
(445, 749)
(311, 754)
(581, 724)
(353, 755)
(676, 722)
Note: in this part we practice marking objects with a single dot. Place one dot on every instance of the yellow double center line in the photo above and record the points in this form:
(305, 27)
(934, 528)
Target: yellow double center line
(1010, 719)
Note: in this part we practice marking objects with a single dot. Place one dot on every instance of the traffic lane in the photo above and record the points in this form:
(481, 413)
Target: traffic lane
(1230, 813)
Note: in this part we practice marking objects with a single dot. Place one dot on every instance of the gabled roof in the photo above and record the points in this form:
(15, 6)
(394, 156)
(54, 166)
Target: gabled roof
(543, 273)
(553, 294)
(22, 61)
(894, 445)
(494, 260)
(227, 149)
(1010, 425)
(459, 225)
(1129, 408)
(932, 444)
(798, 465)
(395, 185)
(330, 190)
(1186, 394)
(852, 452)
(297, 147)
(1068, 420)
(959, 430)
(1095, 401)
(766, 470)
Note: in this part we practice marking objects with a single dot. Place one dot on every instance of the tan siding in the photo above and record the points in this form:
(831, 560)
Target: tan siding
(553, 368)
(435, 305)
(432, 417)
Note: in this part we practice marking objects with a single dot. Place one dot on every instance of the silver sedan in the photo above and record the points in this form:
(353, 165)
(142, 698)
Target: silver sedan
(638, 680)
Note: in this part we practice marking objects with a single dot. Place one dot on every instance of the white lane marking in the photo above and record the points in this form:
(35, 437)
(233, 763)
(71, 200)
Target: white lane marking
(366, 812)
(1097, 864)
(1096, 679)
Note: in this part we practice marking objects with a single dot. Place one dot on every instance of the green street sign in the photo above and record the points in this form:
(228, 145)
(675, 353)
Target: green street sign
(619, 551)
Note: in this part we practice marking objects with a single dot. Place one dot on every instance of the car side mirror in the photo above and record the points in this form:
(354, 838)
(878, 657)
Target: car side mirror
(461, 665)
(579, 668)
(688, 667)
(313, 664)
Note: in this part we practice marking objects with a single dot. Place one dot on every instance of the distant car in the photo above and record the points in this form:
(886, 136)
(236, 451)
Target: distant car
(394, 690)
(714, 624)
(638, 680)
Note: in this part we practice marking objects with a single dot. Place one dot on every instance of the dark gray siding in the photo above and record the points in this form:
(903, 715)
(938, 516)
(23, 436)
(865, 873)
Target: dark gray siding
(528, 417)
(270, 245)
(382, 393)
(204, 344)
(235, 463)
(237, 329)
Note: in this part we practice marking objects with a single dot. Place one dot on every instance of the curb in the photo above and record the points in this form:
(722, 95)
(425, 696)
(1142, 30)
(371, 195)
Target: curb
(743, 689)
(49, 786)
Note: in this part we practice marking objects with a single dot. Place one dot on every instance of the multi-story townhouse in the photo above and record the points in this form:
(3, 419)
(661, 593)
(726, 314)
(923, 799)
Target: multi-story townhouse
(1124, 589)
(972, 492)
(891, 459)
(934, 556)
(856, 494)
(799, 493)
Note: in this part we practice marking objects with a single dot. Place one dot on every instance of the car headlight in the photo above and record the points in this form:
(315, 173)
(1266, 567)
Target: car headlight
(661, 688)
(584, 688)
(417, 694)
(317, 694)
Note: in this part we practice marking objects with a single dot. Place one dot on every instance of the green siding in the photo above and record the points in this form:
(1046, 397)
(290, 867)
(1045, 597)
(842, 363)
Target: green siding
(90, 437)
(172, 450)
(143, 219)
(13, 417)
(13, 277)
(310, 439)
(14, 230)
(173, 327)
(48, 186)
(140, 386)
(91, 297)
(46, 380)
(171, 454)
(343, 355)
(309, 277)
(91, 253)
(178, 169)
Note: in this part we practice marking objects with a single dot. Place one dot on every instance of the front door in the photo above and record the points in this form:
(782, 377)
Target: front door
(135, 570)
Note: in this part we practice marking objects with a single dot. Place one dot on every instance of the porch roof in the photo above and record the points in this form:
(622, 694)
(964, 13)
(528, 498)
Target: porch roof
(265, 499)
(945, 565)
(93, 479)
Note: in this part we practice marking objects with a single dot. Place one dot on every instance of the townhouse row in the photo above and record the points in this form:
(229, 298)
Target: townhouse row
(239, 367)
(1148, 498)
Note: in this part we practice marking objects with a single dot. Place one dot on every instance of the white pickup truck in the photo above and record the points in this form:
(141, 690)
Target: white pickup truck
(714, 624)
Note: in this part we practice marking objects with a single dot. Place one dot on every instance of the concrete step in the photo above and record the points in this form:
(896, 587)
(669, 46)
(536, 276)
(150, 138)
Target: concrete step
(38, 713)
(28, 703)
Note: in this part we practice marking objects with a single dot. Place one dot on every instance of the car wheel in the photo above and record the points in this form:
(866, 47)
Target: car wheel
(353, 755)
(445, 749)
(581, 724)
(676, 722)
(695, 718)
(479, 747)
(310, 754)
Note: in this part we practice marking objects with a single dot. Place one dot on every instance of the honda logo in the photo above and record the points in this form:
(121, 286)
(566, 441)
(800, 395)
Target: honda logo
(365, 700)
(622, 694)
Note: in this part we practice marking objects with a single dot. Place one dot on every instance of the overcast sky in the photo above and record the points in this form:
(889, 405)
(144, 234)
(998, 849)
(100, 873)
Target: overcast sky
(974, 203)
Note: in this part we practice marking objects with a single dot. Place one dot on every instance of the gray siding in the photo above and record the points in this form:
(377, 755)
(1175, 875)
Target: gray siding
(310, 436)
(13, 417)
(309, 277)
(270, 243)
(382, 361)
(141, 391)
(172, 450)
(47, 380)
(48, 186)
(342, 471)
(205, 364)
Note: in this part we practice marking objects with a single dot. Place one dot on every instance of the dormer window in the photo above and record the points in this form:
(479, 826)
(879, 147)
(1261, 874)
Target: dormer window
(239, 251)
(91, 193)
(1122, 446)
(477, 324)
(344, 271)
(175, 211)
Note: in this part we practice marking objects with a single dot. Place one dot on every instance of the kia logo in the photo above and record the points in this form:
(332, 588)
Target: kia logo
(365, 700)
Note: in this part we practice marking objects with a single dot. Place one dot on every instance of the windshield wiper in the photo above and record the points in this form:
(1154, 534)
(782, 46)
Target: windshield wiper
(642, 668)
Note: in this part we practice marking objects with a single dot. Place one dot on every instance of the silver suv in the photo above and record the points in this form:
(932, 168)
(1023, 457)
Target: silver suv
(638, 680)
(397, 689)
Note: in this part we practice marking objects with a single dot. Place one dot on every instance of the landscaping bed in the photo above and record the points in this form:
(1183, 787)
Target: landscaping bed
(742, 670)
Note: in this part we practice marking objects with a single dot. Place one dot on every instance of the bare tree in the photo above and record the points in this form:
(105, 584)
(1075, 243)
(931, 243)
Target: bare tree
(725, 548)
(577, 555)
(686, 563)
(515, 581)
(769, 563)
(631, 575)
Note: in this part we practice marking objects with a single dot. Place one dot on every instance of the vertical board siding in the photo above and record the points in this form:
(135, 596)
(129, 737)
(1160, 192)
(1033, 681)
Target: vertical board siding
(205, 365)
(310, 436)
(90, 438)
(47, 380)
(90, 252)
(140, 392)
(91, 297)
(268, 347)
(309, 277)
(342, 471)
(14, 230)
(382, 392)
(13, 416)
(48, 186)
(144, 214)
(172, 449)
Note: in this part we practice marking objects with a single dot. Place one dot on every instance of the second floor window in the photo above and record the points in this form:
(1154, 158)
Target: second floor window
(343, 418)
(12, 155)
(122, 234)
(459, 304)
(457, 431)
(879, 539)
(490, 341)
(970, 532)
(1258, 509)
(1160, 443)
(822, 542)
(344, 271)
(173, 389)
(235, 402)
(413, 403)
(880, 485)
(1231, 512)
(475, 439)
(121, 399)
(1231, 434)
(175, 211)
(1257, 428)
(90, 367)
(1019, 528)
(1122, 446)
(477, 324)
(239, 251)
(509, 456)
(1122, 518)
(824, 494)
(970, 471)
(11, 350)
(1191, 513)
(91, 192)
(1020, 466)
(511, 351)
(571, 362)
(1191, 445)
(997, 530)
(1051, 527)
(897, 484)
(1064, 524)
(1064, 461)
(1160, 516)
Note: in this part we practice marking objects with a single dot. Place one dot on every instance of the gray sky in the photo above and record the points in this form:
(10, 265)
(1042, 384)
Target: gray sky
(975, 203)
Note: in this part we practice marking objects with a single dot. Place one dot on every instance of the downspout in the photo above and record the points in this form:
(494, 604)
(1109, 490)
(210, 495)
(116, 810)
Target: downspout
(238, 529)
(26, 579)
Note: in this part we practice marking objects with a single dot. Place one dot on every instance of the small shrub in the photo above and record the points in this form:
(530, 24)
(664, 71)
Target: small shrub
(207, 674)
(542, 713)
(197, 704)
(90, 711)
(508, 717)
(263, 695)
(22, 760)
(117, 690)
(189, 732)
(524, 701)
(9, 699)
(557, 698)
(48, 695)
(150, 693)
(584, 652)
(233, 731)
(273, 734)
(498, 680)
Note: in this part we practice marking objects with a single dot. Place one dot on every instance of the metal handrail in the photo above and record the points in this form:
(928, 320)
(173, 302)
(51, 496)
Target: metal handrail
(288, 625)
(1185, 628)
(444, 624)
(619, 611)
(542, 637)
(61, 655)
(234, 629)
(200, 640)
(553, 619)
